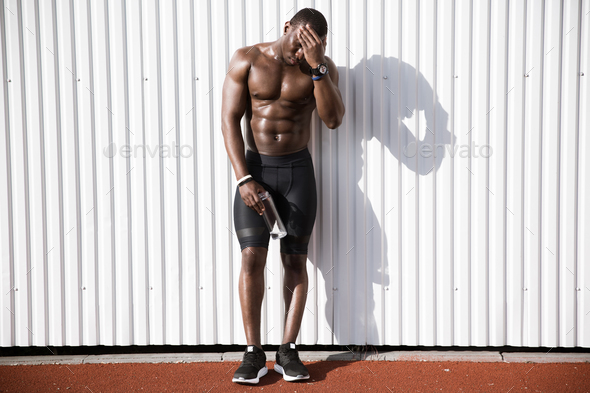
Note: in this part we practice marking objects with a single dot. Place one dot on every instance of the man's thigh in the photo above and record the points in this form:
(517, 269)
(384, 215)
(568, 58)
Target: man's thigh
(298, 209)
(250, 227)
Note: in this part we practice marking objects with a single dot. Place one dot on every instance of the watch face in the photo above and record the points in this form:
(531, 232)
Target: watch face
(323, 69)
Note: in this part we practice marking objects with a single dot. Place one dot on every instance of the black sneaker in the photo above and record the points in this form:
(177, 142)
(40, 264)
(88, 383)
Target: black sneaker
(289, 364)
(253, 366)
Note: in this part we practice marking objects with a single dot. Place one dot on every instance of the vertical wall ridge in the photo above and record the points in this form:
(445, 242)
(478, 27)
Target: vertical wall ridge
(195, 167)
(382, 175)
(59, 170)
(576, 176)
(5, 81)
(93, 162)
(43, 173)
(161, 173)
(540, 210)
(469, 183)
(213, 204)
(399, 174)
(26, 168)
(452, 171)
(127, 172)
(487, 171)
(178, 169)
(145, 202)
(417, 176)
(111, 174)
(77, 170)
(558, 240)
(505, 176)
(524, 285)
(434, 170)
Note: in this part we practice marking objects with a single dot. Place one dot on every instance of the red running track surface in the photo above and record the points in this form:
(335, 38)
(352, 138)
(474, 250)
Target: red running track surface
(340, 376)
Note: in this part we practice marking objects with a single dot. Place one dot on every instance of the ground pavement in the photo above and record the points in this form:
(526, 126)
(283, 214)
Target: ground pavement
(414, 371)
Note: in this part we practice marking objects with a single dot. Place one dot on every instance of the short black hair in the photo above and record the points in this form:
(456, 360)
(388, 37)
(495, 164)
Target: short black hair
(312, 17)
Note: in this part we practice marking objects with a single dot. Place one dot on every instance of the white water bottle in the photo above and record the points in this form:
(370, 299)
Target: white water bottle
(271, 217)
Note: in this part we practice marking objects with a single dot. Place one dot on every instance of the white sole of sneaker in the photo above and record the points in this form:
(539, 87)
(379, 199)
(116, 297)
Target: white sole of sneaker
(261, 373)
(289, 378)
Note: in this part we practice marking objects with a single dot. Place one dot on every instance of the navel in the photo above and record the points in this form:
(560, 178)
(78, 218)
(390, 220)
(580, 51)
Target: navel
(277, 137)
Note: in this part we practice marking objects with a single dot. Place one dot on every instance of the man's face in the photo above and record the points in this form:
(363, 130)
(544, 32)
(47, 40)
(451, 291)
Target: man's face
(292, 49)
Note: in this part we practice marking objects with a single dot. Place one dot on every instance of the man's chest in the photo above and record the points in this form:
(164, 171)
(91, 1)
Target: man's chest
(274, 82)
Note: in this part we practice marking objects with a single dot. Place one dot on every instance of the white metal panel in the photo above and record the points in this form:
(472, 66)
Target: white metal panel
(497, 172)
(53, 247)
(583, 278)
(391, 239)
(372, 157)
(532, 174)
(356, 228)
(69, 147)
(427, 167)
(223, 190)
(6, 261)
(186, 117)
(118, 113)
(153, 168)
(443, 172)
(87, 160)
(134, 125)
(409, 130)
(515, 157)
(568, 170)
(550, 170)
(207, 257)
(19, 289)
(345, 190)
(420, 239)
(34, 277)
(477, 172)
(170, 174)
(104, 183)
(461, 175)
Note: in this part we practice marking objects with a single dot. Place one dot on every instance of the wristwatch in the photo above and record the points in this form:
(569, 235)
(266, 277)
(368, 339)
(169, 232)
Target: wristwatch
(318, 72)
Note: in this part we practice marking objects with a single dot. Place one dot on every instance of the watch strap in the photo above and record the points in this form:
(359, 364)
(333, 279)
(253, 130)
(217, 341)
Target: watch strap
(317, 78)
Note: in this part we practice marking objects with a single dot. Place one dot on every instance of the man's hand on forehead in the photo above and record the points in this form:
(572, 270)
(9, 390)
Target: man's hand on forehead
(313, 46)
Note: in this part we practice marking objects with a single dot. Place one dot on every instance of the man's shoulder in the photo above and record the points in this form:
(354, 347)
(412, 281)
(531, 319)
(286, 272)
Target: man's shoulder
(249, 53)
(242, 60)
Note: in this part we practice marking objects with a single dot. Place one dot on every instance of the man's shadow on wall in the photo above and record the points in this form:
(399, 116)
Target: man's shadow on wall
(404, 94)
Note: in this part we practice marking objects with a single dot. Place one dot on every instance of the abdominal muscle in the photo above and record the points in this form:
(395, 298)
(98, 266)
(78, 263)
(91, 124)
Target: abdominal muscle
(276, 135)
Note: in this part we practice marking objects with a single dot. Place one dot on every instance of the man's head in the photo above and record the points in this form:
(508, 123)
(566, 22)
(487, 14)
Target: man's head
(292, 50)
(313, 18)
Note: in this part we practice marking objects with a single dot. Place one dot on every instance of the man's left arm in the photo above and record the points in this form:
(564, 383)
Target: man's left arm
(328, 98)
(327, 95)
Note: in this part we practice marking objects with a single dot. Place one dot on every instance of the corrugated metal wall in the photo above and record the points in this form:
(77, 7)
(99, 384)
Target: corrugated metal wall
(453, 200)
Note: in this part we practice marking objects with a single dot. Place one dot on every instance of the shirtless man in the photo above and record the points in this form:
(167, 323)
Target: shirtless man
(277, 85)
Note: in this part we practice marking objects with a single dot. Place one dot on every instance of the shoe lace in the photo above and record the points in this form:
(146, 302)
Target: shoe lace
(292, 355)
(250, 358)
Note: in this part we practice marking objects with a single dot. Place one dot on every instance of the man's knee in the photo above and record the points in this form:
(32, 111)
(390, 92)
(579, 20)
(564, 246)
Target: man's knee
(253, 260)
(294, 263)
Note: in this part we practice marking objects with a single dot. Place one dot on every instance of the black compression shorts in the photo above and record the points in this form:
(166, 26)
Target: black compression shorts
(290, 179)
